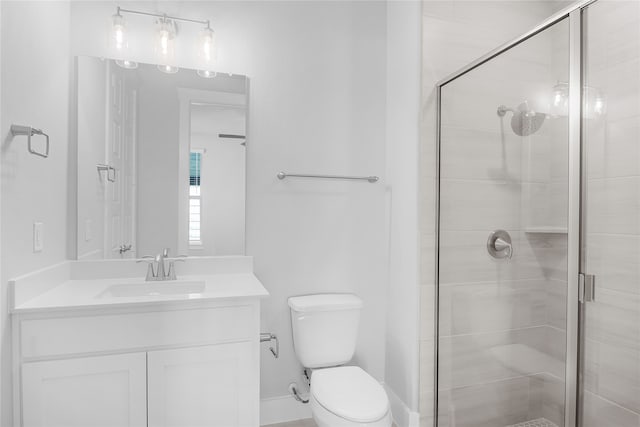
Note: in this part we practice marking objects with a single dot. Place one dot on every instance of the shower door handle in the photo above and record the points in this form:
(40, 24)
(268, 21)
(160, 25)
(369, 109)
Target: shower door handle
(499, 244)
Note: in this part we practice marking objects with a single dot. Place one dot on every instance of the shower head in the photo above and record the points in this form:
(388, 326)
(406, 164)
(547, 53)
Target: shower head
(524, 121)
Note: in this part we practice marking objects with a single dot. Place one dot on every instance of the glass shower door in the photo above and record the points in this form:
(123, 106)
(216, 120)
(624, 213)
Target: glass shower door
(610, 394)
(502, 270)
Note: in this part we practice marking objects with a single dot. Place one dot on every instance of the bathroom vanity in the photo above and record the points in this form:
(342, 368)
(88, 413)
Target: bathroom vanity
(96, 344)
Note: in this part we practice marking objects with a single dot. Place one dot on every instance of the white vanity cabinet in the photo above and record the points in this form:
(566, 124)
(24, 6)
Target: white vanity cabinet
(201, 386)
(98, 391)
(179, 364)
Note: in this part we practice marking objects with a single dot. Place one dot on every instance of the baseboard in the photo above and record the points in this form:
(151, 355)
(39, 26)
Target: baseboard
(282, 409)
(402, 415)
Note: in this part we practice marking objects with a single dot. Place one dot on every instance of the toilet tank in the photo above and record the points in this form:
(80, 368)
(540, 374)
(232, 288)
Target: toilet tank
(325, 328)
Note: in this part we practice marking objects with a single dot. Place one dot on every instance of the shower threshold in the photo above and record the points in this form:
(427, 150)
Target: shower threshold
(538, 422)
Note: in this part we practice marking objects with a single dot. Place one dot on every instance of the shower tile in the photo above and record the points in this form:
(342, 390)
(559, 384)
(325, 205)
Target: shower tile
(480, 155)
(601, 412)
(607, 46)
(479, 205)
(555, 348)
(613, 259)
(550, 253)
(556, 306)
(467, 360)
(620, 85)
(464, 258)
(470, 105)
(613, 205)
(494, 404)
(612, 148)
(619, 375)
(553, 398)
(536, 210)
(486, 307)
(614, 319)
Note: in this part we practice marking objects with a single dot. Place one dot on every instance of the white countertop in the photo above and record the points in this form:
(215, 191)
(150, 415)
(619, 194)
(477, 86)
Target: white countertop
(88, 293)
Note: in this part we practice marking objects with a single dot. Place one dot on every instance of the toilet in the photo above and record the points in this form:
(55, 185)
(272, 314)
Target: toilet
(325, 331)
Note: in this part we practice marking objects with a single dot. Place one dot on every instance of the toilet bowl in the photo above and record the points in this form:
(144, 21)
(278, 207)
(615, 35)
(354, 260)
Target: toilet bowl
(325, 330)
(347, 396)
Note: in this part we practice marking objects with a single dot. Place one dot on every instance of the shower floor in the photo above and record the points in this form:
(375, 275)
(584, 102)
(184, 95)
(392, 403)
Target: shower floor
(538, 422)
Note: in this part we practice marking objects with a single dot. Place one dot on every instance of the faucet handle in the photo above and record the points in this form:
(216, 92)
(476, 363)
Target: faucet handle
(171, 274)
(165, 252)
(151, 275)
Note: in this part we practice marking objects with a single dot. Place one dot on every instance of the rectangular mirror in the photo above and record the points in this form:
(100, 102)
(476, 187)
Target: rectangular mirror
(161, 161)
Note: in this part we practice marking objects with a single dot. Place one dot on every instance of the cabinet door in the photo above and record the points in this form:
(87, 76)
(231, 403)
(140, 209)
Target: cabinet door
(107, 391)
(214, 385)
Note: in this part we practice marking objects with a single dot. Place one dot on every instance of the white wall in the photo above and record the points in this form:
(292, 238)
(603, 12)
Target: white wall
(35, 91)
(317, 104)
(403, 107)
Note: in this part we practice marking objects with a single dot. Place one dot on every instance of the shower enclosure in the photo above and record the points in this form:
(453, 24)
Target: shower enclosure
(538, 260)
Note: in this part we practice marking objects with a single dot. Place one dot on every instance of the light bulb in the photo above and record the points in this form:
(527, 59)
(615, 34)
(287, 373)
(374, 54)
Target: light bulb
(206, 47)
(118, 32)
(165, 40)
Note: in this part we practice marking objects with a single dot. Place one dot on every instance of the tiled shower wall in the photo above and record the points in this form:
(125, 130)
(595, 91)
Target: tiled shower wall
(454, 33)
(612, 141)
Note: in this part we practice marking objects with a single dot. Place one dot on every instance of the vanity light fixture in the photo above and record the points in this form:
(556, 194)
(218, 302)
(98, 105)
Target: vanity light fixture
(118, 32)
(166, 32)
(206, 48)
(165, 40)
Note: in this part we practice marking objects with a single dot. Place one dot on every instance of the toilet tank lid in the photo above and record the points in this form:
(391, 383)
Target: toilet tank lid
(325, 302)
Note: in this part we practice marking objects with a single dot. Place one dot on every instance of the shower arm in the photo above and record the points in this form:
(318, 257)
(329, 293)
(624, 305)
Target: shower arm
(502, 110)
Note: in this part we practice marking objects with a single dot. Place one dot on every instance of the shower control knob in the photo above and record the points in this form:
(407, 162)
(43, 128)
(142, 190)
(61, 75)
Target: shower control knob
(499, 244)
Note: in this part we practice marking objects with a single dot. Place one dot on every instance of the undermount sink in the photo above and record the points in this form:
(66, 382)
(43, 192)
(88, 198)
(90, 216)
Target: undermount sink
(169, 287)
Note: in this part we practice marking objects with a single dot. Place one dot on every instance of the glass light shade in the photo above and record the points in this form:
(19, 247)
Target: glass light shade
(168, 69)
(206, 46)
(207, 74)
(118, 33)
(129, 65)
(165, 40)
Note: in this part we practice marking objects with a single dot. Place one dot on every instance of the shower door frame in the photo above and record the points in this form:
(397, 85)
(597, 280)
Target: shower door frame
(576, 199)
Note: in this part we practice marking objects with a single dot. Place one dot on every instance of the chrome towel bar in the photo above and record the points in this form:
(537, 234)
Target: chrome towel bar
(29, 132)
(371, 179)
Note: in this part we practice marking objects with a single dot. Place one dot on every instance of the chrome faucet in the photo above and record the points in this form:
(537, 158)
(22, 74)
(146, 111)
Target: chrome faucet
(156, 270)
(160, 270)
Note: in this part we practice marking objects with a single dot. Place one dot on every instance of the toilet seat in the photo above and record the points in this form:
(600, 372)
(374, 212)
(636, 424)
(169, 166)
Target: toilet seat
(350, 393)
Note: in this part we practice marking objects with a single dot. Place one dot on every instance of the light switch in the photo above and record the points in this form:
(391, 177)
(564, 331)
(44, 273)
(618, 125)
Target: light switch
(38, 236)
(88, 234)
